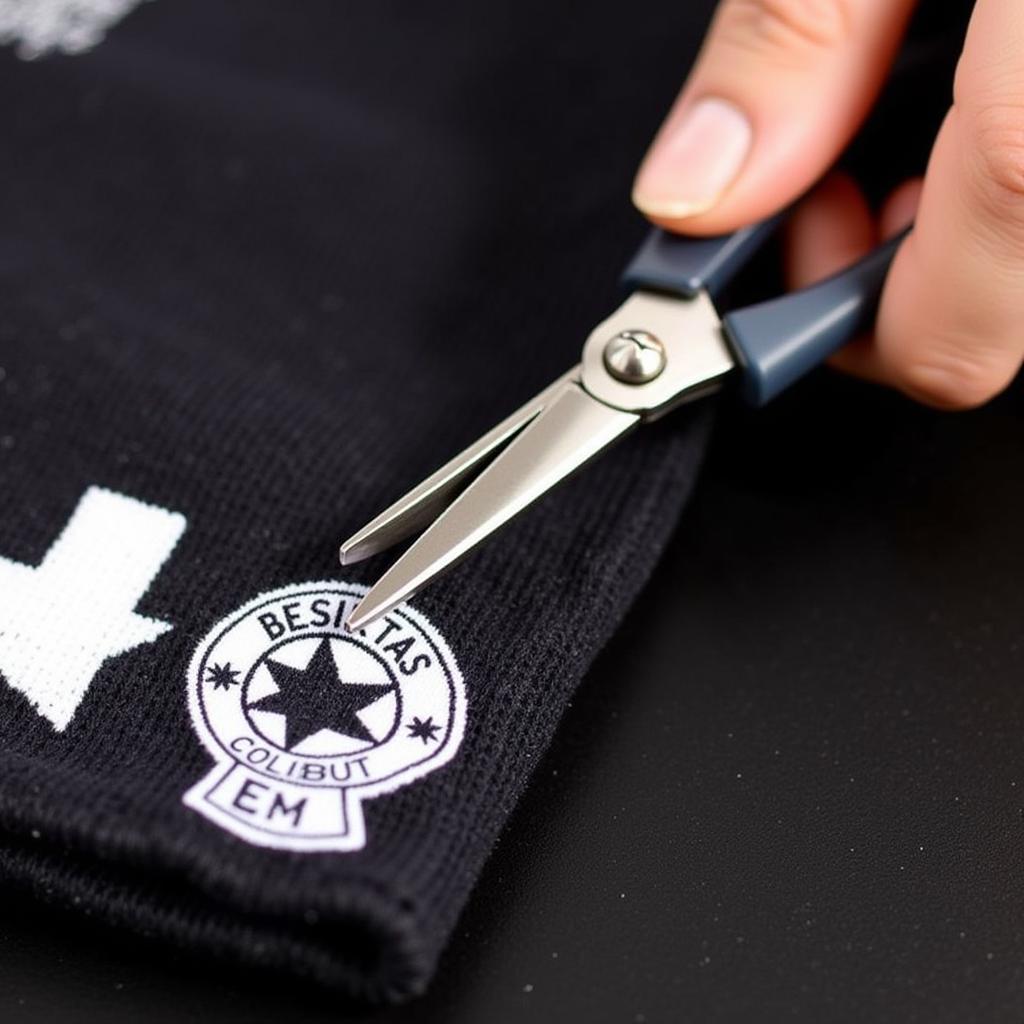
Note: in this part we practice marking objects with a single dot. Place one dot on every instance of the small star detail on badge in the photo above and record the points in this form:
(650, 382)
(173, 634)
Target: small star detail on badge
(423, 729)
(223, 676)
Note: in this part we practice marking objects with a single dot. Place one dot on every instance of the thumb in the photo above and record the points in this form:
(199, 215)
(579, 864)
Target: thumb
(779, 89)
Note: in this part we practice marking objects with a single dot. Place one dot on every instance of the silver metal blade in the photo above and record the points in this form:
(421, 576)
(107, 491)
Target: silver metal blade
(422, 505)
(570, 431)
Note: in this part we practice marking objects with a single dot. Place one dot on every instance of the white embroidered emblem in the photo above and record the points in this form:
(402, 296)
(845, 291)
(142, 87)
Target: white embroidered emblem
(38, 27)
(306, 721)
(89, 582)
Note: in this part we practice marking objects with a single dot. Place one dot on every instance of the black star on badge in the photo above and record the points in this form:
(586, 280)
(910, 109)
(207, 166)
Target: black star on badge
(223, 676)
(424, 730)
(315, 698)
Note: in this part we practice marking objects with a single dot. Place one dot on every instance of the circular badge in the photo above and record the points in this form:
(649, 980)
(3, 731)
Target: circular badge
(305, 720)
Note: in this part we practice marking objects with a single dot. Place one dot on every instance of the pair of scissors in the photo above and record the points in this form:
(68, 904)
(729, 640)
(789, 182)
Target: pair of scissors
(664, 346)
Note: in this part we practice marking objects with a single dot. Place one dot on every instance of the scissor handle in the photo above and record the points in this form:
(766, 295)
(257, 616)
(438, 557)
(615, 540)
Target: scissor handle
(686, 266)
(778, 341)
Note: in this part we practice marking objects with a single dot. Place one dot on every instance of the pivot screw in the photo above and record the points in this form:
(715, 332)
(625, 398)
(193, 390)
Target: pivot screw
(634, 357)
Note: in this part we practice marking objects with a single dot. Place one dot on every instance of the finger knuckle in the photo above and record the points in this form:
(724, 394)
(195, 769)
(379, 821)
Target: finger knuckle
(997, 145)
(957, 380)
(788, 24)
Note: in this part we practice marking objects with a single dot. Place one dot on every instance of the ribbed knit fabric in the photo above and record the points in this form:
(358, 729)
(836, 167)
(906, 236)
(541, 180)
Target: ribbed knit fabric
(261, 269)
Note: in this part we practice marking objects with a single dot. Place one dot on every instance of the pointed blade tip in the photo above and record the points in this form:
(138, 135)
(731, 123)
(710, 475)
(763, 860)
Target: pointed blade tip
(360, 617)
(354, 549)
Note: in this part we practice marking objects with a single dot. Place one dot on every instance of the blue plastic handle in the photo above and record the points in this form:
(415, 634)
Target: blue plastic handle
(686, 265)
(778, 341)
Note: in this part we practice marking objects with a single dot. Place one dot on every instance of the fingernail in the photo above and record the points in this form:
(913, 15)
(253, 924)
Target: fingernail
(694, 161)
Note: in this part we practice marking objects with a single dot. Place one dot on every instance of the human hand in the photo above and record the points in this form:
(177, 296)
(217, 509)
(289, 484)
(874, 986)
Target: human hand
(779, 89)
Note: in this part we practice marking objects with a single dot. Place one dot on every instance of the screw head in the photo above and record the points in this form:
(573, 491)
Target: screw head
(634, 357)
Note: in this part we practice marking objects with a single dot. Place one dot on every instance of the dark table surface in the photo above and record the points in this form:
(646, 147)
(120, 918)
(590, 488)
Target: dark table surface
(791, 789)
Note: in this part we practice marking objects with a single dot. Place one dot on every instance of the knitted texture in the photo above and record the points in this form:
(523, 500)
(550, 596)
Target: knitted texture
(260, 273)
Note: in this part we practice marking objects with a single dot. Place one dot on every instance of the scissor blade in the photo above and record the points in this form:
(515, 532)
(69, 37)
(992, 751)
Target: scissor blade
(569, 432)
(424, 503)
